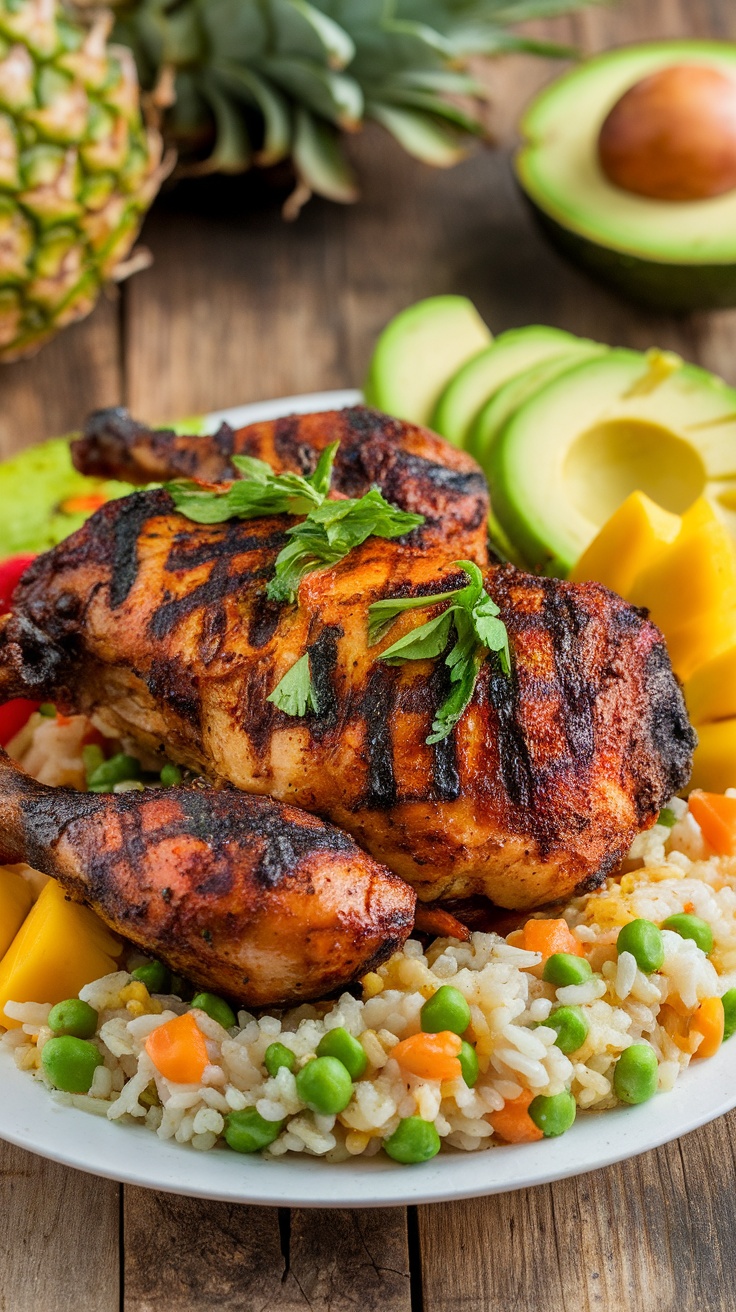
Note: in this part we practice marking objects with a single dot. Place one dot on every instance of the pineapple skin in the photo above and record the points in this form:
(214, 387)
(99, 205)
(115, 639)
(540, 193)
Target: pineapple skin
(78, 169)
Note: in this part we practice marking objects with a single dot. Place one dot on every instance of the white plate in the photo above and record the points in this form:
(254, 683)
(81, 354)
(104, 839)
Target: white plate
(30, 1118)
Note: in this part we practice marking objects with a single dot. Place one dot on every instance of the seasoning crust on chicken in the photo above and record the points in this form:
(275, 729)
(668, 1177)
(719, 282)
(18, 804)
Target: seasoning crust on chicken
(163, 626)
(241, 894)
(415, 470)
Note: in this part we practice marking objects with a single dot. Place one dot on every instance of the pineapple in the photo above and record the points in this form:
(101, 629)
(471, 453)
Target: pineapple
(77, 168)
(242, 82)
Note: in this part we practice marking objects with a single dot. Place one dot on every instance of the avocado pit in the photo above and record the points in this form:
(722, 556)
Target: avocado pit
(672, 136)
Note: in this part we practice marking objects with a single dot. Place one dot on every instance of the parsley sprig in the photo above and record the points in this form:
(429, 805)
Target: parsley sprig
(472, 616)
(295, 694)
(330, 530)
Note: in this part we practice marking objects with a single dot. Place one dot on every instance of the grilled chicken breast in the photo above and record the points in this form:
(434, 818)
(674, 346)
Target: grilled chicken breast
(244, 895)
(415, 469)
(163, 625)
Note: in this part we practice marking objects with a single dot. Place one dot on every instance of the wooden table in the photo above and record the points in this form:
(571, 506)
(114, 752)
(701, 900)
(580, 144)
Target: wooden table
(239, 307)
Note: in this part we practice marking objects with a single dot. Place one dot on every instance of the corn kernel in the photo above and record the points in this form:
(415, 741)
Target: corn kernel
(356, 1142)
(372, 984)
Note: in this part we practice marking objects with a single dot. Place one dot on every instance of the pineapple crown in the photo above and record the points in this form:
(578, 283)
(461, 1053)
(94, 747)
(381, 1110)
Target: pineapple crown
(252, 82)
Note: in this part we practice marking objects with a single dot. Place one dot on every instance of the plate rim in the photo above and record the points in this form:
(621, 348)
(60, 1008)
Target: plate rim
(702, 1093)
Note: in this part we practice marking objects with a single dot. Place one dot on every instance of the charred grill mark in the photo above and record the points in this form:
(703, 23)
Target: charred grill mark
(170, 681)
(188, 553)
(513, 754)
(567, 622)
(289, 446)
(215, 589)
(224, 441)
(668, 725)
(264, 621)
(376, 707)
(132, 513)
(322, 664)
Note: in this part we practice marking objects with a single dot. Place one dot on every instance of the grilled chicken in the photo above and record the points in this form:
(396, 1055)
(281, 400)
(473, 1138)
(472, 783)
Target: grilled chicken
(249, 897)
(163, 626)
(415, 469)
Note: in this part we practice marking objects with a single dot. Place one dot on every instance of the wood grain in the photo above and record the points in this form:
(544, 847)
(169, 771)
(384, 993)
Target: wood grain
(59, 1250)
(649, 1235)
(182, 1255)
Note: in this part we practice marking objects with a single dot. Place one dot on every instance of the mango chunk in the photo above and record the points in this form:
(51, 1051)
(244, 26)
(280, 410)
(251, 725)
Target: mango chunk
(60, 947)
(690, 590)
(629, 542)
(16, 901)
(714, 764)
(711, 692)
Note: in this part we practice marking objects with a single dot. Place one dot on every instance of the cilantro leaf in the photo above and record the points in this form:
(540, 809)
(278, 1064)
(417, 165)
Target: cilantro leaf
(330, 530)
(295, 693)
(474, 618)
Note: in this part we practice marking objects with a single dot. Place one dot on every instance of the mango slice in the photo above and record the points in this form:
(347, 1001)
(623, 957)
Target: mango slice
(60, 947)
(16, 900)
(629, 542)
(714, 765)
(711, 692)
(690, 590)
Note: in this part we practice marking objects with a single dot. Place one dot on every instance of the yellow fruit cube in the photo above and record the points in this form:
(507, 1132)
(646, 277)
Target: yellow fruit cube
(60, 947)
(690, 590)
(629, 542)
(711, 692)
(16, 901)
(714, 764)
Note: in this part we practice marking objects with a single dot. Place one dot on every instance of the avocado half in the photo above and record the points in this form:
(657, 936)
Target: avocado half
(669, 255)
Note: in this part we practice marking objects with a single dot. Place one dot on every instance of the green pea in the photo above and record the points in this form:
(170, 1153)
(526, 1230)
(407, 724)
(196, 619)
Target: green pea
(667, 817)
(248, 1131)
(729, 1012)
(645, 943)
(413, 1140)
(154, 975)
(468, 1059)
(170, 775)
(571, 1028)
(92, 758)
(553, 1114)
(691, 927)
(636, 1074)
(48, 710)
(339, 1043)
(276, 1056)
(325, 1085)
(73, 1017)
(119, 769)
(70, 1063)
(445, 1010)
(562, 968)
(216, 1008)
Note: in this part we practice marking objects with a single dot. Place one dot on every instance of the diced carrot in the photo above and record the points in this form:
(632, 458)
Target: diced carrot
(84, 505)
(549, 937)
(178, 1050)
(430, 1056)
(709, 1020)
(716, 815)
(513, 1123)
(433, 920)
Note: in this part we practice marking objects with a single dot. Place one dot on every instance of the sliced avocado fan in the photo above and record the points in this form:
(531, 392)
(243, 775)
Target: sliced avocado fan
(674, 255)
(615, 424)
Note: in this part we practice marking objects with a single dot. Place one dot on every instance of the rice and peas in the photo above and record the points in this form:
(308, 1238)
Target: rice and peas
(535, 1049)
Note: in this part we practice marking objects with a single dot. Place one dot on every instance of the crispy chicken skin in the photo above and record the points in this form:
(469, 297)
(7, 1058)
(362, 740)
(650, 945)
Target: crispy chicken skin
(247, 896)
(164, 626)
(415, 469)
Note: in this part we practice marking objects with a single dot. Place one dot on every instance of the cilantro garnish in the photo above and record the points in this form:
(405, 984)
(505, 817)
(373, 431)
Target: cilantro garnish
(473, 616)
(330, 530)
(295, 694)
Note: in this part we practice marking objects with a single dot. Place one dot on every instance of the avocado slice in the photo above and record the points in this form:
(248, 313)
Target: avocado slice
(509, 355)
(507, 400)
(672, 255)
(419, 351)
(43, 497)
(615, 424)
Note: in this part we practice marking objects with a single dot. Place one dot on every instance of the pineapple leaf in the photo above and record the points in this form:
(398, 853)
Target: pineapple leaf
(232, 152)
(277, 131)
(420, 135)
(336, 42)
(320, 164)
(333, 96)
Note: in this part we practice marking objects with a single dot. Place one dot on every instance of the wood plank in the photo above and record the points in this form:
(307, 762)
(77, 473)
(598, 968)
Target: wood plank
(652, 1235)
(185, 1256)
(60, 1237)
(52, 393)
